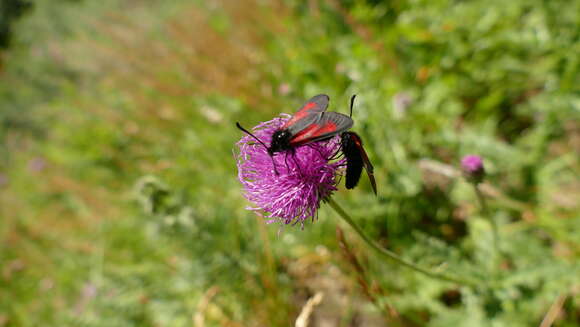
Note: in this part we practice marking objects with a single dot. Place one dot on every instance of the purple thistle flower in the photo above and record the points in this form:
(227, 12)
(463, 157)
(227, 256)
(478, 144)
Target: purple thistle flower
(305, 177)
(472, 166)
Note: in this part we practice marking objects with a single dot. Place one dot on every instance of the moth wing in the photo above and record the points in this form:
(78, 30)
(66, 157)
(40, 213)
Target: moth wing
(367, 164)
(307, 114)
(354, 162)
(328, 125)
(355, 148)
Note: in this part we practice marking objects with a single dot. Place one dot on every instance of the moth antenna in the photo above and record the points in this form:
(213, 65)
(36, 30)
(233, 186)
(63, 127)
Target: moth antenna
(262, 143)
(252, 135)
(352, 103)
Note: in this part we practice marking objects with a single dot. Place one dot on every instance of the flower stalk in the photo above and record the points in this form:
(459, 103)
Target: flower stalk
(474, 172)
(394, 257)
(486, 213)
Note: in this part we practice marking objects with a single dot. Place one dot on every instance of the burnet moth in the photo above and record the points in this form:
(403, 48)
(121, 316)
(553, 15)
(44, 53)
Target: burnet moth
(309, 124)
(356, 157)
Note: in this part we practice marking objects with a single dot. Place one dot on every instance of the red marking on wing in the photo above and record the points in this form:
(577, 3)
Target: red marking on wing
(303, 112)
(309, 105)
(313, 131)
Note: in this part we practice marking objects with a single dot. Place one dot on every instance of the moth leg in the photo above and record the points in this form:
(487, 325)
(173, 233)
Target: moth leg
(296, 161)
(286, 162)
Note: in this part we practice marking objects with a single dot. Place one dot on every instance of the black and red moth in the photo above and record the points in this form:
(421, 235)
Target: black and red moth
(356, 157)
(309, 124)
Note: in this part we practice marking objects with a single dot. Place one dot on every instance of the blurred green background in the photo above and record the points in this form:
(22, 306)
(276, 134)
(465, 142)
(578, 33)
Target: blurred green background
(119, 198)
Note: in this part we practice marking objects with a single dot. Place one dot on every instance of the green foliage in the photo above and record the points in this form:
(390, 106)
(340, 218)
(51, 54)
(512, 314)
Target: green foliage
(10, 10)
(120, 202)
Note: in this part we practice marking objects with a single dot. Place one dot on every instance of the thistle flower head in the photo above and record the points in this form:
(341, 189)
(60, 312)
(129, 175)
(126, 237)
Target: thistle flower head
(305, 176)
(472, 167)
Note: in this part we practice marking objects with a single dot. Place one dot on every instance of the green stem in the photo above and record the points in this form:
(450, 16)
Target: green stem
(486, 212)
(394, 257)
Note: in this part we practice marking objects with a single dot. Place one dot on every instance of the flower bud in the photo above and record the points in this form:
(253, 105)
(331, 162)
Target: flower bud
(472, 167)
